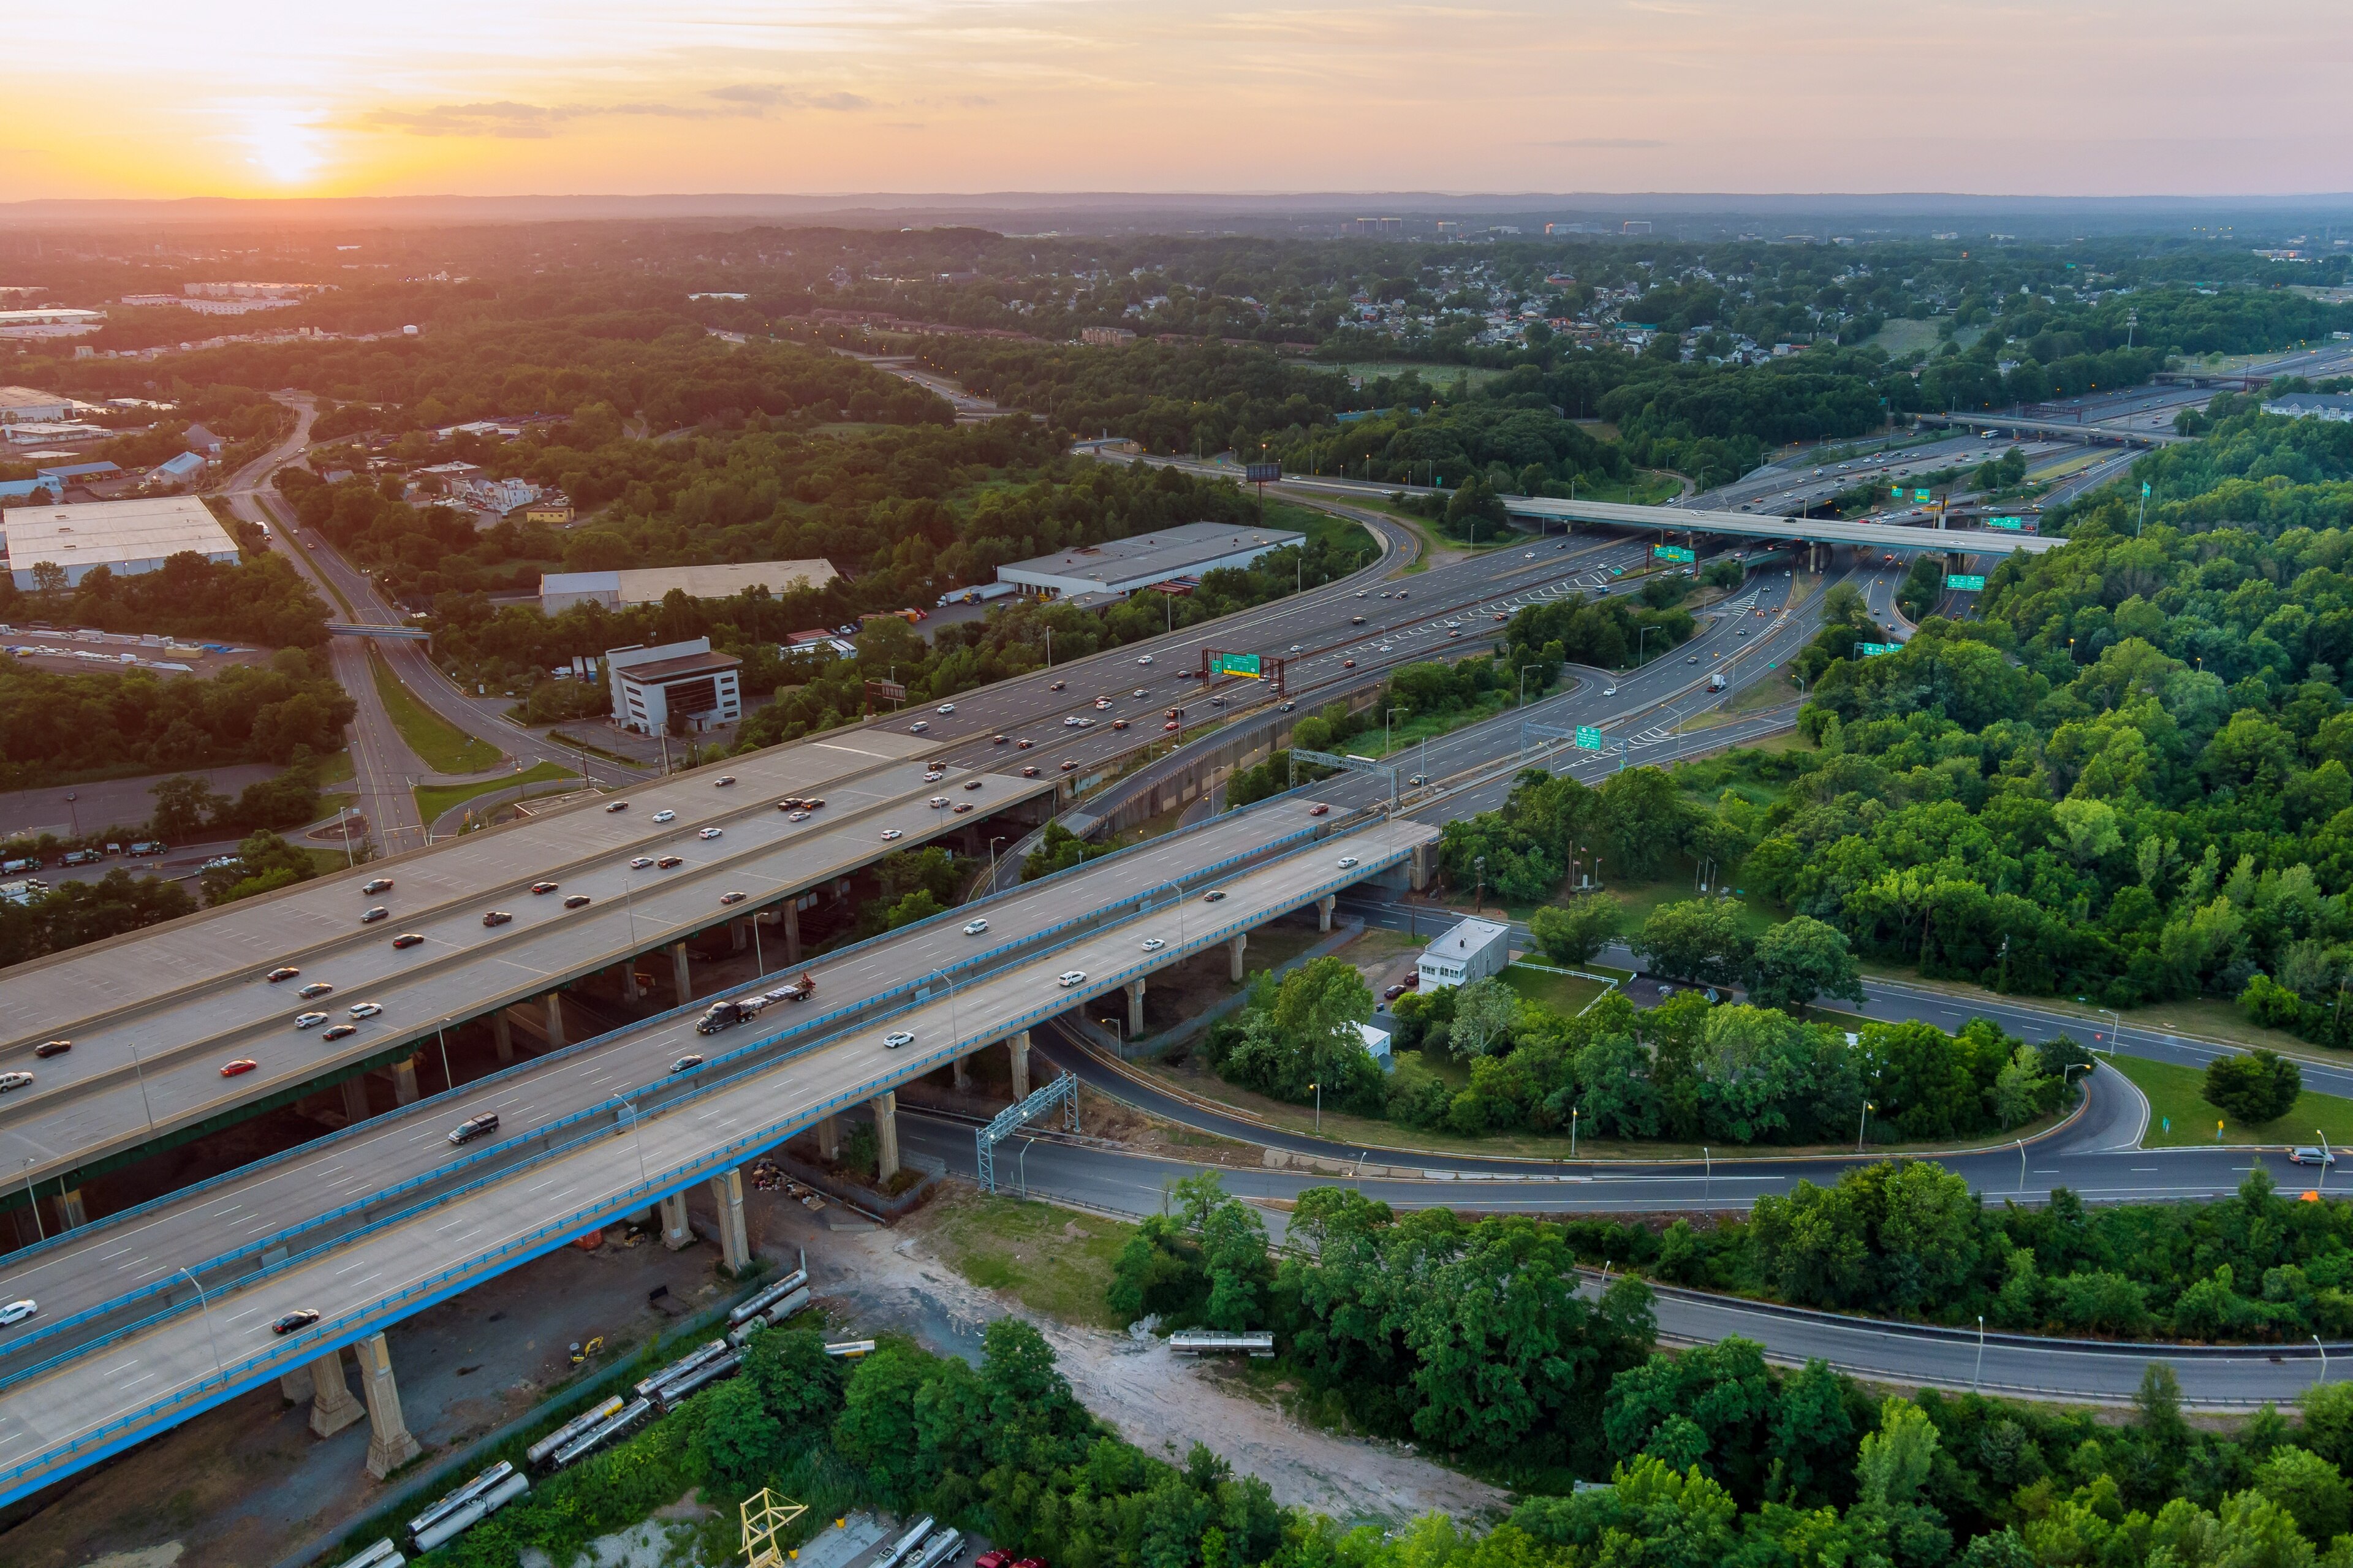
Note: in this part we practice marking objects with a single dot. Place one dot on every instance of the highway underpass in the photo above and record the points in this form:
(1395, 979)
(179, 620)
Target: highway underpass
(629, 1150)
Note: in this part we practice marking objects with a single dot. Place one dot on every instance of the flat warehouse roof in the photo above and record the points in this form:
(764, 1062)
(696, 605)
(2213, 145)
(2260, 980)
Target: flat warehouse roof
(112, 533)
(1148, 558)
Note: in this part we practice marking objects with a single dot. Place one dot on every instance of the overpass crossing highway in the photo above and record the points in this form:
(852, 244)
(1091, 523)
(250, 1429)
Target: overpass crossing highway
(151, 1063)
(578, 1174)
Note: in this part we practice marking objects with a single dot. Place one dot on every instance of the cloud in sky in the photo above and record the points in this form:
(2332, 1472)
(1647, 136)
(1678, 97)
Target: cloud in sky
(870, 95)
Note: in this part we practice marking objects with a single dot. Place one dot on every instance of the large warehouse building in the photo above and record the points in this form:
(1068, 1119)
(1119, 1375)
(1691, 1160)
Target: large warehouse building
(559, 591)
(1120, 567)
(128, 537)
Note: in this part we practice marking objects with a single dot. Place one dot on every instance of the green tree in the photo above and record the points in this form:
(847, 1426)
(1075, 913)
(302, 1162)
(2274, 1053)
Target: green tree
(2314, 1492)
(1798, 960)
(1574, 933)
(1483, 1011)
(2254, 1088)
(1696, 939)
(184, 805)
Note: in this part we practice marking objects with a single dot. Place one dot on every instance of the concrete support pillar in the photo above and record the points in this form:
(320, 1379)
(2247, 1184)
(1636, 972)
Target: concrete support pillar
(886, 1129)
(1323, 907)
(295, 1385)
(554, 1020)
(356, 1104)
(727, 1196)
(964, 1075)
(738, 936)
(333, 1408)
(677, 972)
(1419, 875)
(629, 978)
(1235, 947)
(792, 932)
(676, 1233)
(502, 1036)
(829, 1138)
(404, 1082)
(1134, 1007)
(389, 1443)
(69, 1210)
(1018, 1046)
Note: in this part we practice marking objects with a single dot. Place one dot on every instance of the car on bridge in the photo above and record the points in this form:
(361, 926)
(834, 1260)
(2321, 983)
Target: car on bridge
(664, 817)
(897, 1038)
(974, 928)
(497, 917)
(617, 806)
(709, 833)
(52, 1049)
(14, 1080)
(642, 863)
(376, 885)
(242, 1064)
(283, 971)
(315, 989)
(407, 939)
(722, 781)
(1071, 977)
(365, 1009)
(17, 1311)
(1347, 862)
(340, 1032)
(576, 902)
(732, 898)
(891, 835)
(670, 862)
(543, 887)
(376, 915)
(309, 1020)
(1153, 944)
(302, 1319)
(686, 1064)
(473, 1127)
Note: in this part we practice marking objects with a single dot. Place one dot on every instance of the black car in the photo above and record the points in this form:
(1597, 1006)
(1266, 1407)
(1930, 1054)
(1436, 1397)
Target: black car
(1215, 895)
(543, 887)
(686, 1064)
(497, 917)
(576, 900)
(376, 915)
(619, 805)
(52, 1047)
(473, 1127)
(409, 939)
(293, 1320)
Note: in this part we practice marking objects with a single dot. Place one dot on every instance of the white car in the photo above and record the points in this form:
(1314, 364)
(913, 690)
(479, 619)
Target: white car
(309, 1020)
(1152, 943)
(1070, 977)
(891, 834)
(17, 1311)
(796, 817)
(1145, 660)
(1347, 862)
(1608, 691)
(664, 817)
(367, 1009)
(939, 803)
(1139, 690)
(946, 708)
(919, 726)
(709, 833)
(9, 1081)
(897, 1038)
(974, 928)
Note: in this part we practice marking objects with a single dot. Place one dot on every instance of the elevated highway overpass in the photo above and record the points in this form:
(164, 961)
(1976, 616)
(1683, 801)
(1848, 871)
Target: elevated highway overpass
(594, 1134)
(1675, 520)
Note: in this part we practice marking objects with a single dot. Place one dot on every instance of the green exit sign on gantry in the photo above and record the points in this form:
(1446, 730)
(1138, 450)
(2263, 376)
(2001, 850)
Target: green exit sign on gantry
(1873, 650)
(1964, 582)
(2015, 524)
(1673, 552)
(1588, 739)
(1244, 665)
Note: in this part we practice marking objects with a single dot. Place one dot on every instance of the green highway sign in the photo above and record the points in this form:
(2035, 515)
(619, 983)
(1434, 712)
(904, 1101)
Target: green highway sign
(2012, 524)
(1873, 650)
(1920, 495)
(1964, 582)
(1588, 739)
(1895, 490)
(1673, 552)
(1244, 665)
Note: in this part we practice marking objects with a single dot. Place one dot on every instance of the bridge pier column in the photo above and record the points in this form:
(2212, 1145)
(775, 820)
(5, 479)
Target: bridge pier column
(554, 1020)
(793, 929)
(70, 1213)
(1017, 1046)
(294, 1384)
(356, 1104)
(333, 1408)
(390, 1446)
(502, 1036)
(738, 938)
(829, 1138)
(727, 1196)
(1419, 877)
(1235, 947)
(1134, 1007)
(677, 1234)
(629, 978)
(677, 972)
(404, 1082)
(964, 1075)
(886, 1129)
(1323, 907)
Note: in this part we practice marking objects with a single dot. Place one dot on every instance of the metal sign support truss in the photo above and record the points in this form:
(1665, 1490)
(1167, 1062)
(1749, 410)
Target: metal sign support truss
(1063, 1091)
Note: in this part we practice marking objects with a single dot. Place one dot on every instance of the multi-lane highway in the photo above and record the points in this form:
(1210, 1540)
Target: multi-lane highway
(110, 1391)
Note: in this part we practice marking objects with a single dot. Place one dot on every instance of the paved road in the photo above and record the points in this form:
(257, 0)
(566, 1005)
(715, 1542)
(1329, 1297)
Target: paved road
(382, 763)
(388, 1273)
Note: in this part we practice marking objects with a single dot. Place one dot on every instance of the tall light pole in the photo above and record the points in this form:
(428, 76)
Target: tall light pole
(206, 1308)
(33, 1201)
(1388, 714)
(630, 1109)
(992, 859)
(1524, 681)
(952, 1028)
(1860, 1122)
(2324, 1160)
(140, 1073)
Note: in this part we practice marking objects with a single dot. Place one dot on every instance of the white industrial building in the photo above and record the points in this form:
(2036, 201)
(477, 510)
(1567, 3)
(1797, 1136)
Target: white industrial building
(128, 537)
(1471, 950)
(1120, 567)
(649, 684)
(559, 591)
(30, 406)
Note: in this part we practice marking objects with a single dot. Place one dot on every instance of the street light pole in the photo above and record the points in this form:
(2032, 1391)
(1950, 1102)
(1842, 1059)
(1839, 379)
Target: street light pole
(1859, 1123)
(206, 1308)
(2323, 1185)
(33, 1200)
(992, 859)
(1318, 1087)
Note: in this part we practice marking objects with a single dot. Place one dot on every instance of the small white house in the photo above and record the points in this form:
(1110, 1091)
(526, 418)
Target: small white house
(1472, 950)
(1376, 1042)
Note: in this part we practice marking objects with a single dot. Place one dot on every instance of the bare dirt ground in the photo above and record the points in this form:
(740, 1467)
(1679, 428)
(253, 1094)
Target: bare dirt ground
(1158, 1401)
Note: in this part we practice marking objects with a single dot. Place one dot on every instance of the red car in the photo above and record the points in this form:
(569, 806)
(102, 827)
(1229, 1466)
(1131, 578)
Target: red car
(1170, 725)
(1029, 772)
(242, 1064)
(1319, 809)
(1068, 764)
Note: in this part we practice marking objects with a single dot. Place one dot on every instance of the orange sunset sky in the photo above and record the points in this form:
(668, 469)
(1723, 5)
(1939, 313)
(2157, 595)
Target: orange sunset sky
(822, 96)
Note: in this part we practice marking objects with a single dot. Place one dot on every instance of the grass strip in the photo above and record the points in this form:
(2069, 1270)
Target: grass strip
(438, 744)
(2180, 1118)
(432, 800)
